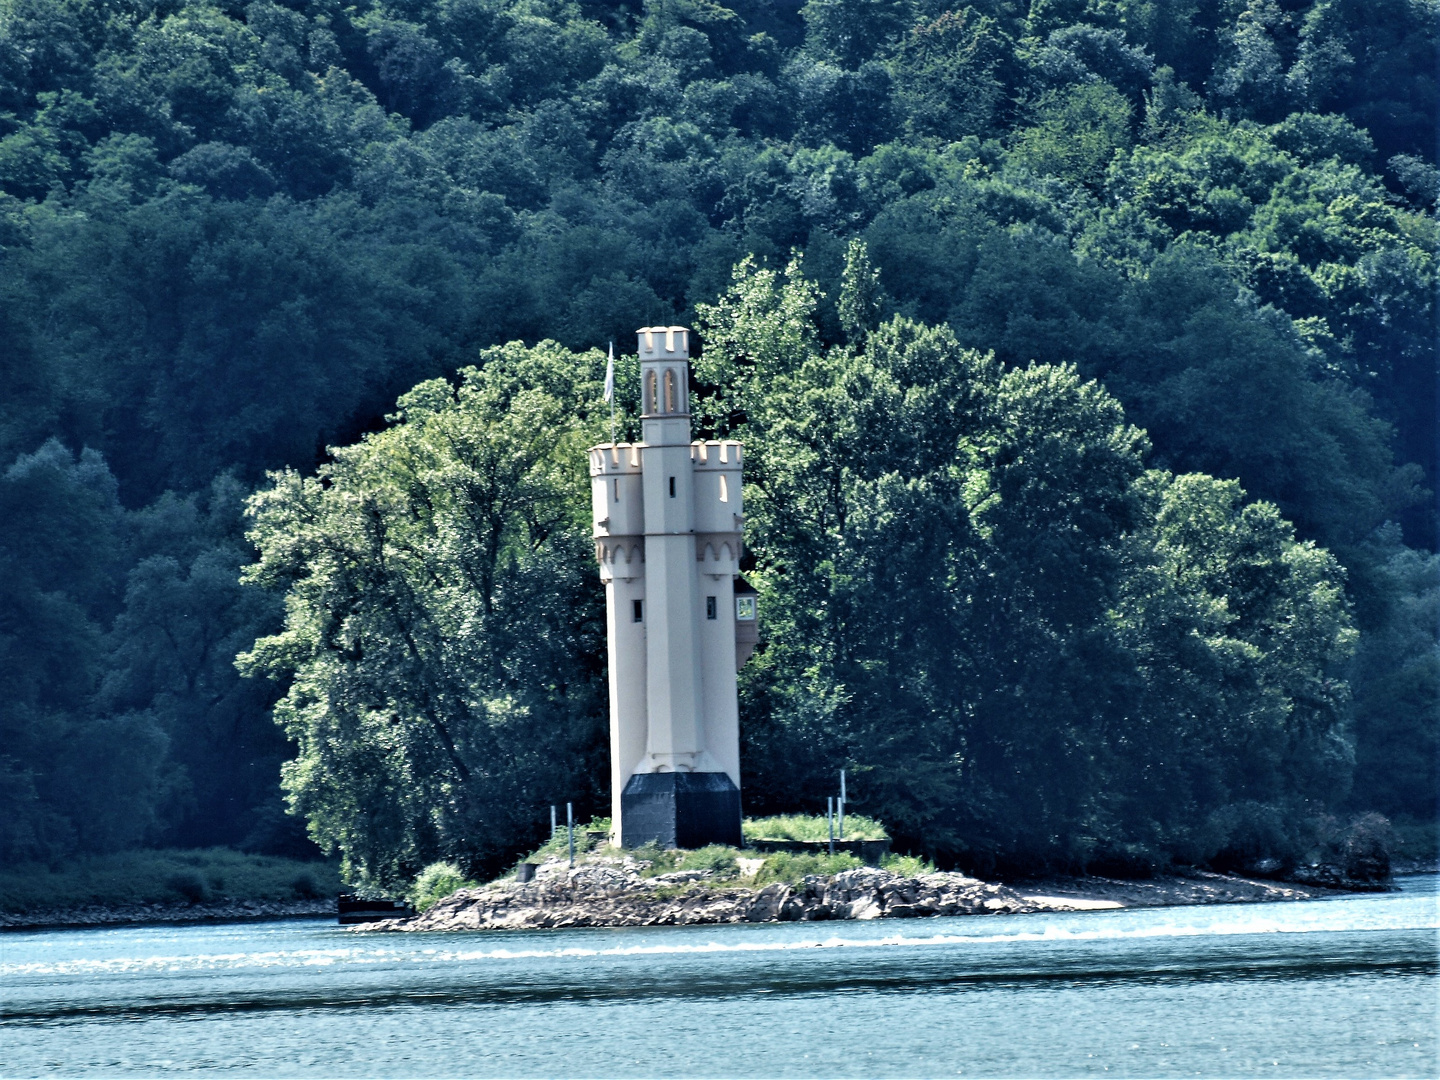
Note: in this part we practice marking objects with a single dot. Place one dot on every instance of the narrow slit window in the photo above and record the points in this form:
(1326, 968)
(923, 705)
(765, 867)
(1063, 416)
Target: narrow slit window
(637, 610)
(710, 608)
(616, 482)
(672, 487)
(724, 489)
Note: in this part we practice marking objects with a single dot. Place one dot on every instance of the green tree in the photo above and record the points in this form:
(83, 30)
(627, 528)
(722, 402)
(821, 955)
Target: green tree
(853, 31)
(1076, 133)
(443, 627)
(77, 779)
(1032, 651)
(949, 75)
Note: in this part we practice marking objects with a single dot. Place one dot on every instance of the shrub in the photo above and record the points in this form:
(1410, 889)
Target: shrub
(661, 861)
(435, 882)
(190, 885)
(306, 887)
(1365, 851)
(558, 845)
(1243, 835)
(145, 877)
(1416, 839)
(1135, 862)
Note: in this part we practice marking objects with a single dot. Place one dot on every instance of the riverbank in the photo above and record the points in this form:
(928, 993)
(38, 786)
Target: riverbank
(173, 885)
(122, 914)
(616, 892)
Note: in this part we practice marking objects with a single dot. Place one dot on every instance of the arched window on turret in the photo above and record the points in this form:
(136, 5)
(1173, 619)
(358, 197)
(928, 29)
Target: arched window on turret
(651, 398)
(670, 391)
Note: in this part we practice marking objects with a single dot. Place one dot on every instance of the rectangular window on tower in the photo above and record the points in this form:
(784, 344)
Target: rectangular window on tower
(672, 487)
(710, 608)
(637, 611)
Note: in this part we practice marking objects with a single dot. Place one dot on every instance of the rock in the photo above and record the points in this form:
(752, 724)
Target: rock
(767, 904)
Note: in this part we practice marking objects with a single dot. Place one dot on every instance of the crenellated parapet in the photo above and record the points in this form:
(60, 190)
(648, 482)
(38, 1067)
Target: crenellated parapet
(615, 459)
(723, 454)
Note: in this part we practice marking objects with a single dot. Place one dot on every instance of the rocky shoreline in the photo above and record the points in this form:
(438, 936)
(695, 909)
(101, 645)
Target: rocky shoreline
(616, 893)
(120, 914)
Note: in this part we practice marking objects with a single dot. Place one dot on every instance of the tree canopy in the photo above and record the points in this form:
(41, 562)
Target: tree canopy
(233, 235)
(443, 640)
(1031, 650)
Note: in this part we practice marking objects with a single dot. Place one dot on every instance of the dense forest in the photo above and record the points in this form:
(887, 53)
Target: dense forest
(1179, 253)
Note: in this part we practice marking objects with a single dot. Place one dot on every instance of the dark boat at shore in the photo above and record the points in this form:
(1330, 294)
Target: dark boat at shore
(352, 909)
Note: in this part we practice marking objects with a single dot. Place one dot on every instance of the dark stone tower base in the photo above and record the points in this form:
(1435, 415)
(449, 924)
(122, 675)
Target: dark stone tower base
(680, 810)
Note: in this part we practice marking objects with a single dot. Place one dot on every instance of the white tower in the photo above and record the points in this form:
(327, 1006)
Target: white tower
(667, 535)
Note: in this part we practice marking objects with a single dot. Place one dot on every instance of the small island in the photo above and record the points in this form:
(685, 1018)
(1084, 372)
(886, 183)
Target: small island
(610, 886)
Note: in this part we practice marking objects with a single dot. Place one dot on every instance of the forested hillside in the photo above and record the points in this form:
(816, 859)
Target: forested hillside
(234, 235)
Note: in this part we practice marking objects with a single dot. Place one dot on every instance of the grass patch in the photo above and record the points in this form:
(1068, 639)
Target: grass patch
(164, 877)
(811, 827)
(907, 865)
(792, 869)
(558, 845)
(722, 861)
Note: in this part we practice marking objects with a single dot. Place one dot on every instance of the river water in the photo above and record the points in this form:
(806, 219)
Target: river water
(1348, 986)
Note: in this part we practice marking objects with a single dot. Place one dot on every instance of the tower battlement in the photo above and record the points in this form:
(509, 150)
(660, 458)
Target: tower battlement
(716, 454)
(664, 343)
(615, 458)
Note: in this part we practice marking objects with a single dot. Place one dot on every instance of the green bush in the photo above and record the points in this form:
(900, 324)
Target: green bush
(716, 858)
(791, 869)
(811, 827)
(435, 882)
(190, 885)
(907, 865)
(1366, 847)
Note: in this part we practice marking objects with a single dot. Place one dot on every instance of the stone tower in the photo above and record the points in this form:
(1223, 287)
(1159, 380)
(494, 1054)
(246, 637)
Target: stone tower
(667, 515)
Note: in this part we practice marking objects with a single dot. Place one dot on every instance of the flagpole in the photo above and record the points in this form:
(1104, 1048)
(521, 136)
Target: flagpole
(610, 391)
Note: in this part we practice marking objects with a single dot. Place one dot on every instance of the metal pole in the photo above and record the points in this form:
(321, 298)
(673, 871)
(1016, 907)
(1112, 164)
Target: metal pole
(552, 821)
(841, 830)
(570, 827)
(830, 821)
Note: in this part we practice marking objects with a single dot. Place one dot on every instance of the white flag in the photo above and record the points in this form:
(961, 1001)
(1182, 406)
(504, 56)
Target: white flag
(610, 375)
